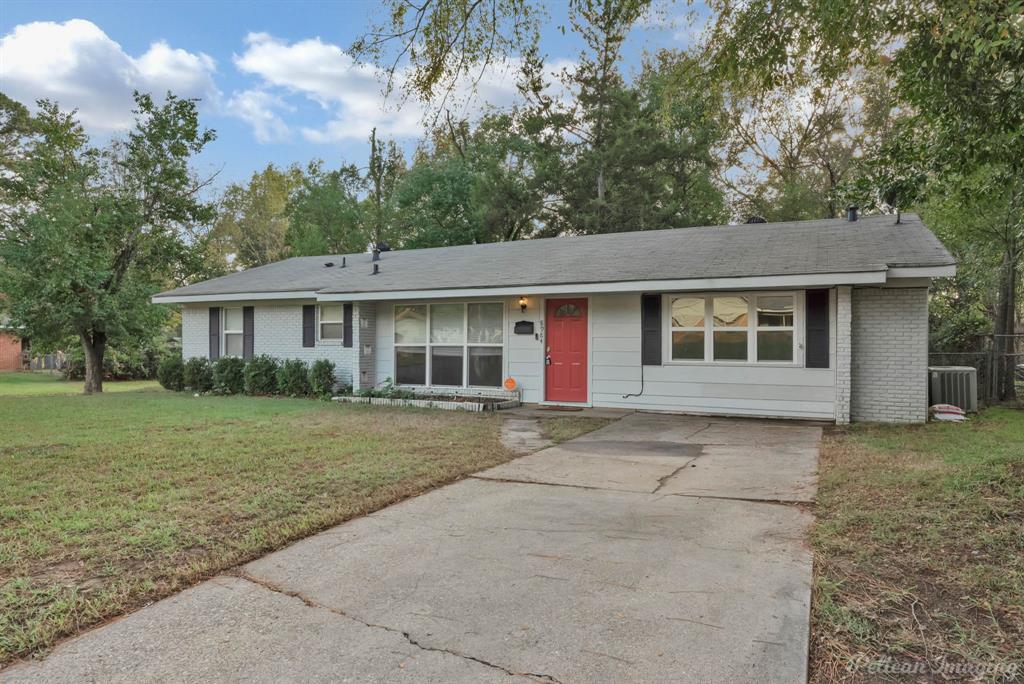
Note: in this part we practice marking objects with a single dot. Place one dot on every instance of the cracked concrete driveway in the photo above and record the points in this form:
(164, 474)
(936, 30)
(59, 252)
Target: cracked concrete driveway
(659, 548)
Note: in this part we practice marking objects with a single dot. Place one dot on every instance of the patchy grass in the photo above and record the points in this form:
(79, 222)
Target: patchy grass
(116, 500)
(919, 549)
(45, 383)
(564, 428)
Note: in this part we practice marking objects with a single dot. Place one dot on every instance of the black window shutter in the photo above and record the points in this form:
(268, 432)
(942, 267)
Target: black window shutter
(650, 330)
(816, 344)
(309, 325)
(248, 328)
(214, 333)
(348, 324)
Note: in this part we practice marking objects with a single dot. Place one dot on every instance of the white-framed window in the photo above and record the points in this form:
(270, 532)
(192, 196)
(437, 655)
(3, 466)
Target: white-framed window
(232, 328)
(332, 321)
(449, 344)
(732, 327)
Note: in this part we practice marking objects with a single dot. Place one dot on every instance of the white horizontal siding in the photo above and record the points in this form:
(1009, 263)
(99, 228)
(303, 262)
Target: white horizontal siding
(741, 389)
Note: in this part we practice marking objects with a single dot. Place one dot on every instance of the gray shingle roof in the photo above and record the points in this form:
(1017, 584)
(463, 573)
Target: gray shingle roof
(873, 243)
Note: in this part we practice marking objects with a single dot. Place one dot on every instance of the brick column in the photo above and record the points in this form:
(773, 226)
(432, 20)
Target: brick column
(844, 349)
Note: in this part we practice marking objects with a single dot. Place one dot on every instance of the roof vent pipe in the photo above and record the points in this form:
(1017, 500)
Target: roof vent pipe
(376, 254)
(376, 269)
(328, 264)
(851, 212)
(343, 262)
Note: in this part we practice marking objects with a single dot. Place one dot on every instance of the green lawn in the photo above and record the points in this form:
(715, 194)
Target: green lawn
(114, 500)
(42, 383)
(920, 546)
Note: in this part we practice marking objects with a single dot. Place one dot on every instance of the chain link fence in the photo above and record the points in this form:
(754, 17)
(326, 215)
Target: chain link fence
(991, 366)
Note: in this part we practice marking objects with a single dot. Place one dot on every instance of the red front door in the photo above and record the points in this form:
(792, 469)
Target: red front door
(565, 376)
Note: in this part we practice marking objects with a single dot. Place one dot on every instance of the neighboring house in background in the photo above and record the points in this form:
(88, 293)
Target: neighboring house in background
(814, 319)
(12, 347)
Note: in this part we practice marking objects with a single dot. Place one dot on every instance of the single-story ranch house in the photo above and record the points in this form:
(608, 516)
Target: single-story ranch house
(812, 319)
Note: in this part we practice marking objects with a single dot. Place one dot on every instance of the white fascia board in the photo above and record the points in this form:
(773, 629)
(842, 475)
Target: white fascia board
(922, 272)
(696, 284)
(236, 297)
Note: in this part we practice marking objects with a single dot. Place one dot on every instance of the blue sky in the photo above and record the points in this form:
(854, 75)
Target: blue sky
(274, 79)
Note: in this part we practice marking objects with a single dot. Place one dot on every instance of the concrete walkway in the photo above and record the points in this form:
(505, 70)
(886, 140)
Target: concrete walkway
(652, 550)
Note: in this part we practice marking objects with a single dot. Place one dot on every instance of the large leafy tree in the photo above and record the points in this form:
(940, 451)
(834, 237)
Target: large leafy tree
(384, 169)
(469, 185)
(619, 157)
(91, 233)
(958, 66)
(251, 219)
(324, 212)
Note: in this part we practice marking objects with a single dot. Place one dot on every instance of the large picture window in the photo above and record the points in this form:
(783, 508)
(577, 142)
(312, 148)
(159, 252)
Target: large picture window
(233, 324)
(449, 345)
(740, 327)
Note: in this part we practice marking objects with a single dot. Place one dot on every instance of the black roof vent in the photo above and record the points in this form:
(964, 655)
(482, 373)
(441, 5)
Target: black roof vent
(343, 262)
(383, 246)
(376, 255)
(376, 269)
(328, 264)
(756, 219)
(851, 212)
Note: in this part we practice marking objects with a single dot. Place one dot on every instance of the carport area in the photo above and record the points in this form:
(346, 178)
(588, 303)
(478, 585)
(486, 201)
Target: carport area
(658, 548)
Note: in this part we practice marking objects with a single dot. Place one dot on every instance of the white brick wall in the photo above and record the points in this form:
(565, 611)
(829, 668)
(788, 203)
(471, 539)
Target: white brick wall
(195, 327)
(277, 331)
(844, 315)
(889, 370)
(364, 338)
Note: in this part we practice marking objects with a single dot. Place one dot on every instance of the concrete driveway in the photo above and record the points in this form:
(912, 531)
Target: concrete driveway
(659, 548)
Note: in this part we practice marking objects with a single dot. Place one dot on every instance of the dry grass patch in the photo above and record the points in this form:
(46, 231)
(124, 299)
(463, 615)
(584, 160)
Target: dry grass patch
(563, 428)
(919, 548)
(113, 501)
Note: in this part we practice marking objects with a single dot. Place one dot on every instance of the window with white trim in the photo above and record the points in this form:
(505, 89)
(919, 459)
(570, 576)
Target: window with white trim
(232, 326)
(754, 327)
(449, 344)
(332, 322)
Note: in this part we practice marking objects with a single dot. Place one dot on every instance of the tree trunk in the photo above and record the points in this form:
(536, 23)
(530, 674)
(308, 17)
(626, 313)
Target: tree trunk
(1005, 327)
(94, 346)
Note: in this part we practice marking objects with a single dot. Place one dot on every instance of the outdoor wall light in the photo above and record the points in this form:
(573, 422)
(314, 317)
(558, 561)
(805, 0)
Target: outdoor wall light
(522, 304)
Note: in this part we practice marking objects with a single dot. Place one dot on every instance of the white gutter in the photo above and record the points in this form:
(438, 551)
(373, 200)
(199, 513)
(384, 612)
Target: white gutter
(676, 285)
(922, 272)
(236, 297)
(744, 283)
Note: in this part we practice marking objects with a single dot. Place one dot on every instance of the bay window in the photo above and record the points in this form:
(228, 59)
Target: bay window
(734, 327)
(449, 345)
(233, 324)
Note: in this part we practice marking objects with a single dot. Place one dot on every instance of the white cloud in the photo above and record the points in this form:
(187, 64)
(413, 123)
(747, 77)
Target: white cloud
(79, 66)
(257, 108)
(354, 92)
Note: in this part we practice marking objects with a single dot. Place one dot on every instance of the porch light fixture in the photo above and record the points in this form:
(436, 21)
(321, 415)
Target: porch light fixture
(522, 304)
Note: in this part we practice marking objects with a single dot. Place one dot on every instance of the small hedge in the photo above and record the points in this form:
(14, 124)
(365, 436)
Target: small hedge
(261, 375)
(229, 375)
(198, 374)
(321, 379)
(170, 373)
(293, 378)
